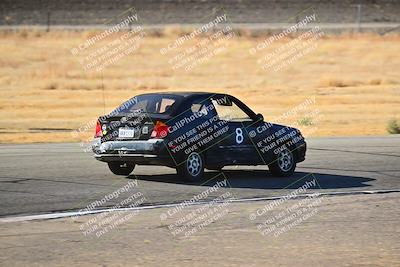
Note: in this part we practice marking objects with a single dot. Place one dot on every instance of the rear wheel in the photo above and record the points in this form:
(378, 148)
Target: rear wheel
(121, 168)
(284, 164)
(193, 167)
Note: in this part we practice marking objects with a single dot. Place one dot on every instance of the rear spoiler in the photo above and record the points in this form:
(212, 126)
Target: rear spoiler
(130, 116)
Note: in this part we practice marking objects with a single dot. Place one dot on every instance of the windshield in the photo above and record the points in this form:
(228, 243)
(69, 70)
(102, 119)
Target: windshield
(153, 104)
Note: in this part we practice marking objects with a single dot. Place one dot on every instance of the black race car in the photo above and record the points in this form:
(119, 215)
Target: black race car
(191, 131)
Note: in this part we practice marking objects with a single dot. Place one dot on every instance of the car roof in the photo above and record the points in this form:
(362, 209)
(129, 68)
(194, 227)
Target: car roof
(183, 93)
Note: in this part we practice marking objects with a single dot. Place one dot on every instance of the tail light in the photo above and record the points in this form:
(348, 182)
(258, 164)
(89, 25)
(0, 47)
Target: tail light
(98, 132)
(160, 130)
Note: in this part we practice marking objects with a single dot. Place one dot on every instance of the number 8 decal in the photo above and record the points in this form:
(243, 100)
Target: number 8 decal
(239, 135)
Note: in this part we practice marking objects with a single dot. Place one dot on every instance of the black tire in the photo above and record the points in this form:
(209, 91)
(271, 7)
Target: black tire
(192, 169)
(284, 164)
(121, 168)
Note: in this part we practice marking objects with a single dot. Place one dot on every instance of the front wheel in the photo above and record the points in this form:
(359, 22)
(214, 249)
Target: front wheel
(192, 169)
(121, 168)
(284, 164)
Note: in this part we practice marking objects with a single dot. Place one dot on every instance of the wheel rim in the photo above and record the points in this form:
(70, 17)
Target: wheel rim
(194, 164)
(285, 160)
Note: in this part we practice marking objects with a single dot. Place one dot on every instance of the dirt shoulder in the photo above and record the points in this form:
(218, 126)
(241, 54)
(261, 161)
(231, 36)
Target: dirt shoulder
(47, 96)
(358, 230)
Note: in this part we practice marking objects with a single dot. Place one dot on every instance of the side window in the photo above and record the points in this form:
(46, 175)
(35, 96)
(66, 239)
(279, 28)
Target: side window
(195, 107)
(166, 103)
(201, 107)
(229, 111)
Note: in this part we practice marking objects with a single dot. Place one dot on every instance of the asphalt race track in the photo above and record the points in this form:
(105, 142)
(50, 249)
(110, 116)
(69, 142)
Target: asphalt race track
(43, 178)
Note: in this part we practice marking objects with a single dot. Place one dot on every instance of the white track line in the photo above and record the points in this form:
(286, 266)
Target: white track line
(58, 215)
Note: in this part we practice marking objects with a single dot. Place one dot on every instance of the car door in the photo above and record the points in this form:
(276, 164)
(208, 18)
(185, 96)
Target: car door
(236, 147)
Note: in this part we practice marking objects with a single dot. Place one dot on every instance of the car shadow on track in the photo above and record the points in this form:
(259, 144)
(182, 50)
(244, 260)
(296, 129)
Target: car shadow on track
(262, 179)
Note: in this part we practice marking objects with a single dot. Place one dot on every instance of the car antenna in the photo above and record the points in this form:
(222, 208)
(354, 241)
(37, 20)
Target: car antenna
(102, 88)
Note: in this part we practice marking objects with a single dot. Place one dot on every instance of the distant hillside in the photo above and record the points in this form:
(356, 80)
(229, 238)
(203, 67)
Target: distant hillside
(75, 12)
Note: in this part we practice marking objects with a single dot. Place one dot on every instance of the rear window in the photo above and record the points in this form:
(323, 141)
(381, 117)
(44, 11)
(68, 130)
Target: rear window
(152, 104)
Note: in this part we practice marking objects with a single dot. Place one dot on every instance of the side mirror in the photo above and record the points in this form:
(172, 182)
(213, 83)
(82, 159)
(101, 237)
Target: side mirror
(260, 117)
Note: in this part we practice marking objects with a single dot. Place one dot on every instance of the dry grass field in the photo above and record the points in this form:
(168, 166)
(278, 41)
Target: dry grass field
(45, 93)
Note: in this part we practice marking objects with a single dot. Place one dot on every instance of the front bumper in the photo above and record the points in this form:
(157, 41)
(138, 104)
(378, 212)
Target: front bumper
(146, 152)
(301, 152)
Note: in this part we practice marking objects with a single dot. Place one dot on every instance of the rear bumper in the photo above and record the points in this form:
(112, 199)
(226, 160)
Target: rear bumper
(150, 152)
(147, 152)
